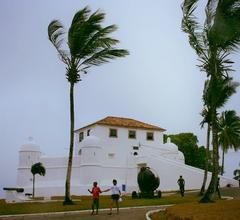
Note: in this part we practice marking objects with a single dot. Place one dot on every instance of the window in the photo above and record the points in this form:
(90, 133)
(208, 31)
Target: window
(150, 136)
(132, 134)
(112, 132)
(111, 155)
(135, 148)
(88, 132)
(80, 136)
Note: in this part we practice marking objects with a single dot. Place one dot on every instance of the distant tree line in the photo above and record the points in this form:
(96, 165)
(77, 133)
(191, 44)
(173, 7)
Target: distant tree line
(188, 144)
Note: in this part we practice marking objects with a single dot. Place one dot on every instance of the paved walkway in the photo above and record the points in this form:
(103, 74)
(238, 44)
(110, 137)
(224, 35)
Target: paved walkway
(137, 213)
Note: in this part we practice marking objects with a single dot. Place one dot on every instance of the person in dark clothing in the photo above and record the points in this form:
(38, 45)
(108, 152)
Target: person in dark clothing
(181, 183)
(218, 188)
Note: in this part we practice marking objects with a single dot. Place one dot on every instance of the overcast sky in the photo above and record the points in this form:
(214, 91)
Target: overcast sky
(158, 83)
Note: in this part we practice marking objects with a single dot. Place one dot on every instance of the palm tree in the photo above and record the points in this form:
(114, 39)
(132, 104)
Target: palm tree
(213, 47)
(37, 168)
(217, 92)
(206, 119)
(88, 45)
(229, 132)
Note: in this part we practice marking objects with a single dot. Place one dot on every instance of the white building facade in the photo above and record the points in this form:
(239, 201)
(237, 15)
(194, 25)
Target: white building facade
(112, 148)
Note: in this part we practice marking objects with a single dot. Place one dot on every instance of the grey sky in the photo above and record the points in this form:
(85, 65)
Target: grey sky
(158, 83)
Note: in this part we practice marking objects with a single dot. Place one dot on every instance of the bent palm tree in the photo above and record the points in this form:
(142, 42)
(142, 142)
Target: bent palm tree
(89, 45)
(37, 168)
(229, 132)
(217, 93)
(213, 47)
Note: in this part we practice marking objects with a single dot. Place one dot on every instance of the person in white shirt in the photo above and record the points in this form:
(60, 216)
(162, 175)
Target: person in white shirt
(116, 193)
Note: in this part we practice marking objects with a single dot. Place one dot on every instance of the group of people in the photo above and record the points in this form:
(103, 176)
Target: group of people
(115, 196)
(116, 193)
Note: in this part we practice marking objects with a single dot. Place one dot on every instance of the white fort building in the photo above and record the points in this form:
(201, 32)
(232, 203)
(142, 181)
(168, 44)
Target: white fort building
(112, 148)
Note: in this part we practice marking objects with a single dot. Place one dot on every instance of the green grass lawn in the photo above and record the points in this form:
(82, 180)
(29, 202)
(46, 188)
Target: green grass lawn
(84, 202)
(221, 209)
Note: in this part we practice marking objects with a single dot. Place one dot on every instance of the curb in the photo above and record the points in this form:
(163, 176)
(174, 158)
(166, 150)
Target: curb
(149, 213)
(227, 197)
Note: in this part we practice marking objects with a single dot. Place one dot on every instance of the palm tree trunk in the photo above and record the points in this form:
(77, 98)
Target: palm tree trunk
(206, 162)
(33, 193)
(209, 195)
(223, 154)
(67, 199)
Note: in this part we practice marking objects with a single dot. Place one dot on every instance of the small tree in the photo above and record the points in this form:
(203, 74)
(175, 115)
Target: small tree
(37, 168)
(147, 182)
(229, 132)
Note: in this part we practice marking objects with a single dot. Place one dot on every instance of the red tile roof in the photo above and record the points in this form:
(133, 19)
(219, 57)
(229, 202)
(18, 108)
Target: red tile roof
(124, 122)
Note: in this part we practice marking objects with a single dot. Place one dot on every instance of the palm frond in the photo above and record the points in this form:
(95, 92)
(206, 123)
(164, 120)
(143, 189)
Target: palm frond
(189, 6)
(104, 56)
(222, 90)
(98, 42)
(229, 130)
(191, 26)
(81, 16)
(226, 28)
(55, 35)
(83, 27)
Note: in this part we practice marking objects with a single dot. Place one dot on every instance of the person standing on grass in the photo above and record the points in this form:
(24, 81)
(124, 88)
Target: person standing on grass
(218, 188)
(116, 193)
(181, 183)
(95, 197)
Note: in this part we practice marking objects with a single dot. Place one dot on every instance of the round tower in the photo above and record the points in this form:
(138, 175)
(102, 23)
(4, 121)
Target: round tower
(29, 154)
(91, 151)
(90, 160)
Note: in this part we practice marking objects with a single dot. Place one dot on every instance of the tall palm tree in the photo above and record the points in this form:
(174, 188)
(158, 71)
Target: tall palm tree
(217, 93)
(89, 44)
(213, 47)
(229, 132)
(37, 168)
(206, 119)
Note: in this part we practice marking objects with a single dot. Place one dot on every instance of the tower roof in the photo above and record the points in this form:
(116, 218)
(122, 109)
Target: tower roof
(124, 122)
(30, 146)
